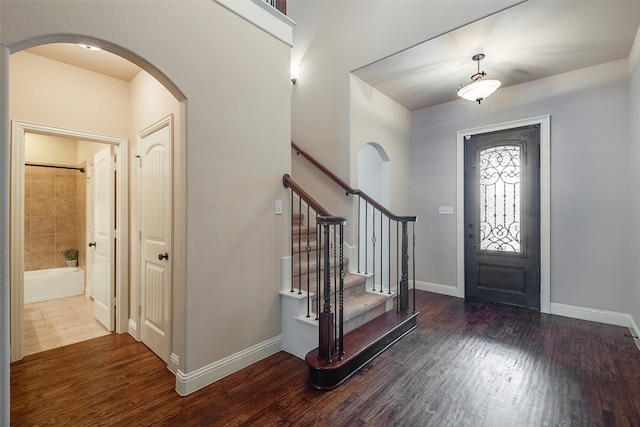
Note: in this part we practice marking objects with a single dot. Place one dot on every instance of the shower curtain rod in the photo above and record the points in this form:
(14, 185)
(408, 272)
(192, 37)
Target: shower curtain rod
(56, 167)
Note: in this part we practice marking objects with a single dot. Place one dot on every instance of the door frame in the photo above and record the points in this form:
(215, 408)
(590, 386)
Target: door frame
(545, 201)
(16, 224)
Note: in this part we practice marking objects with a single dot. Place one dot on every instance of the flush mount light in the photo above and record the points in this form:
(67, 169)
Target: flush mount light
(89, 47)
(479, 88)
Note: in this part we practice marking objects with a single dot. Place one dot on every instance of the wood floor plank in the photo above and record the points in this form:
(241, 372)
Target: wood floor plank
(466, 364)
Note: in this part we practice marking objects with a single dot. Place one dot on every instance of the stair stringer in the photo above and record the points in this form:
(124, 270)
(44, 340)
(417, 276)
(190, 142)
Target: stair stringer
(299, 333)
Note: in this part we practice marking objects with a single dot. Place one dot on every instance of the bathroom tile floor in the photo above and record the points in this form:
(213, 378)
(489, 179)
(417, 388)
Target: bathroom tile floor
(59, 322)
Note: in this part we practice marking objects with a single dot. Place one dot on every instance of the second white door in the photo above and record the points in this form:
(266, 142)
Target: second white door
(104, 234)
(154, 149)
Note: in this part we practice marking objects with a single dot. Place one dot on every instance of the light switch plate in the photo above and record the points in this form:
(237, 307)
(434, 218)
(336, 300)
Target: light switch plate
(278, 207)
(445, 210)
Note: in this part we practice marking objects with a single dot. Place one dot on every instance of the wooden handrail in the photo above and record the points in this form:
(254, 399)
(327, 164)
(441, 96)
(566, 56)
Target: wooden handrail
(324, 216)
(348, 188)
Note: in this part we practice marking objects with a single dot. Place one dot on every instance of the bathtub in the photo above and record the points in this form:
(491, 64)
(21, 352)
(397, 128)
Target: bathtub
(43, 285)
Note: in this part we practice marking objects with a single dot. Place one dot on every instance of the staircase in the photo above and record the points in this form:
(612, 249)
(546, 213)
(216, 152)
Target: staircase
(360, 305)
(336, 319)
(361, 327)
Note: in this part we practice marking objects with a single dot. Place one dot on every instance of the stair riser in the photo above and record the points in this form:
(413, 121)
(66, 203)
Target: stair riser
(301, 267)
(352, 284)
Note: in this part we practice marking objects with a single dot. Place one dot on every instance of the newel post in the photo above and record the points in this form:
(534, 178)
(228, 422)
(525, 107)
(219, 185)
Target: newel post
(404, 278)
(327, 318)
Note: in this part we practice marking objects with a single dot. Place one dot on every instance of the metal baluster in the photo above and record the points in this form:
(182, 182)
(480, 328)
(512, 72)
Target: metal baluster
(335, 280)
(318, 252)
(373, 249)
(308, 249)
(397, 267)
(358, 240)
(341, 335)
(292, 255)
(381, 255)
(300, 247)
(366, 240)
(389, 254)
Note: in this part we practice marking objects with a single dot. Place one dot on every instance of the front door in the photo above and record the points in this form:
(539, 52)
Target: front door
(502, 217)
(103, 234)
(154, 145)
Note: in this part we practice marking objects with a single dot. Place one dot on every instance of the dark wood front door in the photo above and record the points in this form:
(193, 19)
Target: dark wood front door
(502, 217)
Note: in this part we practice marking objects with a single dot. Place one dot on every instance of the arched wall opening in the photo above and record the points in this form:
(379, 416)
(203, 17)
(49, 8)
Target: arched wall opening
(373, 179)
(125, 109)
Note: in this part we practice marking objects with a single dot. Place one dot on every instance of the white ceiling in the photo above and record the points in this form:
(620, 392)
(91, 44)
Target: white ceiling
(529, 41)
(100, 61)
(526, 42)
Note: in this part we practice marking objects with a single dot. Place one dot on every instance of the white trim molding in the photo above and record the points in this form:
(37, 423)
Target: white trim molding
(635, 331)
(174, 363)
(601, 316)
(133, 329)
(121, 144)
(437, 288)
(545, 201)
(187, 383)
(263, 16)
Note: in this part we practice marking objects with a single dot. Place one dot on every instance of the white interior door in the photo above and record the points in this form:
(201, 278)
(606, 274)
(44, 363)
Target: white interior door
(90, 231)
(155, 235)
(104, 230)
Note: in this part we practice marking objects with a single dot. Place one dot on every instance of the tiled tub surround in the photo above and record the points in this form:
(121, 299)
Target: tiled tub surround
(54, 216)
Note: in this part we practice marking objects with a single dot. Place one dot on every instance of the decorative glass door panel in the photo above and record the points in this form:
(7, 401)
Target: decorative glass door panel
(500, 198)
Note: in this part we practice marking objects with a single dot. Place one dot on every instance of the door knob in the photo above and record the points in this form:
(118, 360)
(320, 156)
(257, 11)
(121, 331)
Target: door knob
(163, 256)
(92, 244)
(470, 234)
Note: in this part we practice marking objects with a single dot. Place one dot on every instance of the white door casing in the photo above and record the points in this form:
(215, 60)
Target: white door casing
(545, 202)
(154, 150)
(104, 233)
(90, 233)
(120, 146)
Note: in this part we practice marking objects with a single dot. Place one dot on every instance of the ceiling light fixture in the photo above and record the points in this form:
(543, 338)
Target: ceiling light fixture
(89, 47)
(479, 88)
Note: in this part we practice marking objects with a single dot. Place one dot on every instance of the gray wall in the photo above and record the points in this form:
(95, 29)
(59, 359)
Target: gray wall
(589, 180)
(634, 130)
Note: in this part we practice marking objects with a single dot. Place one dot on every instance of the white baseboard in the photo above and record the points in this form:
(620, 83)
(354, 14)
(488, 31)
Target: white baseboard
(437, 288)
(635, 331)
(133, 328)
(558, 309)
(187, 383)
(591, 314)
(174, 363)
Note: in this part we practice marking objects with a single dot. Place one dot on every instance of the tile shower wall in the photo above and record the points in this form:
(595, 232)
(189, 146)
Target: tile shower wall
(54, 216)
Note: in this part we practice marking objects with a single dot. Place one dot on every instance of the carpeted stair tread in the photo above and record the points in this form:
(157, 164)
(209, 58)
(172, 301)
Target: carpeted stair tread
(301, 267)
(356, 305)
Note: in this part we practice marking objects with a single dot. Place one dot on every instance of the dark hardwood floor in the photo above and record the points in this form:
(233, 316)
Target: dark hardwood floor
(466, 364)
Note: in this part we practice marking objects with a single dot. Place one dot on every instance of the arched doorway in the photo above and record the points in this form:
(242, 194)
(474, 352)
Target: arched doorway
(127, 205)
(373, 179)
